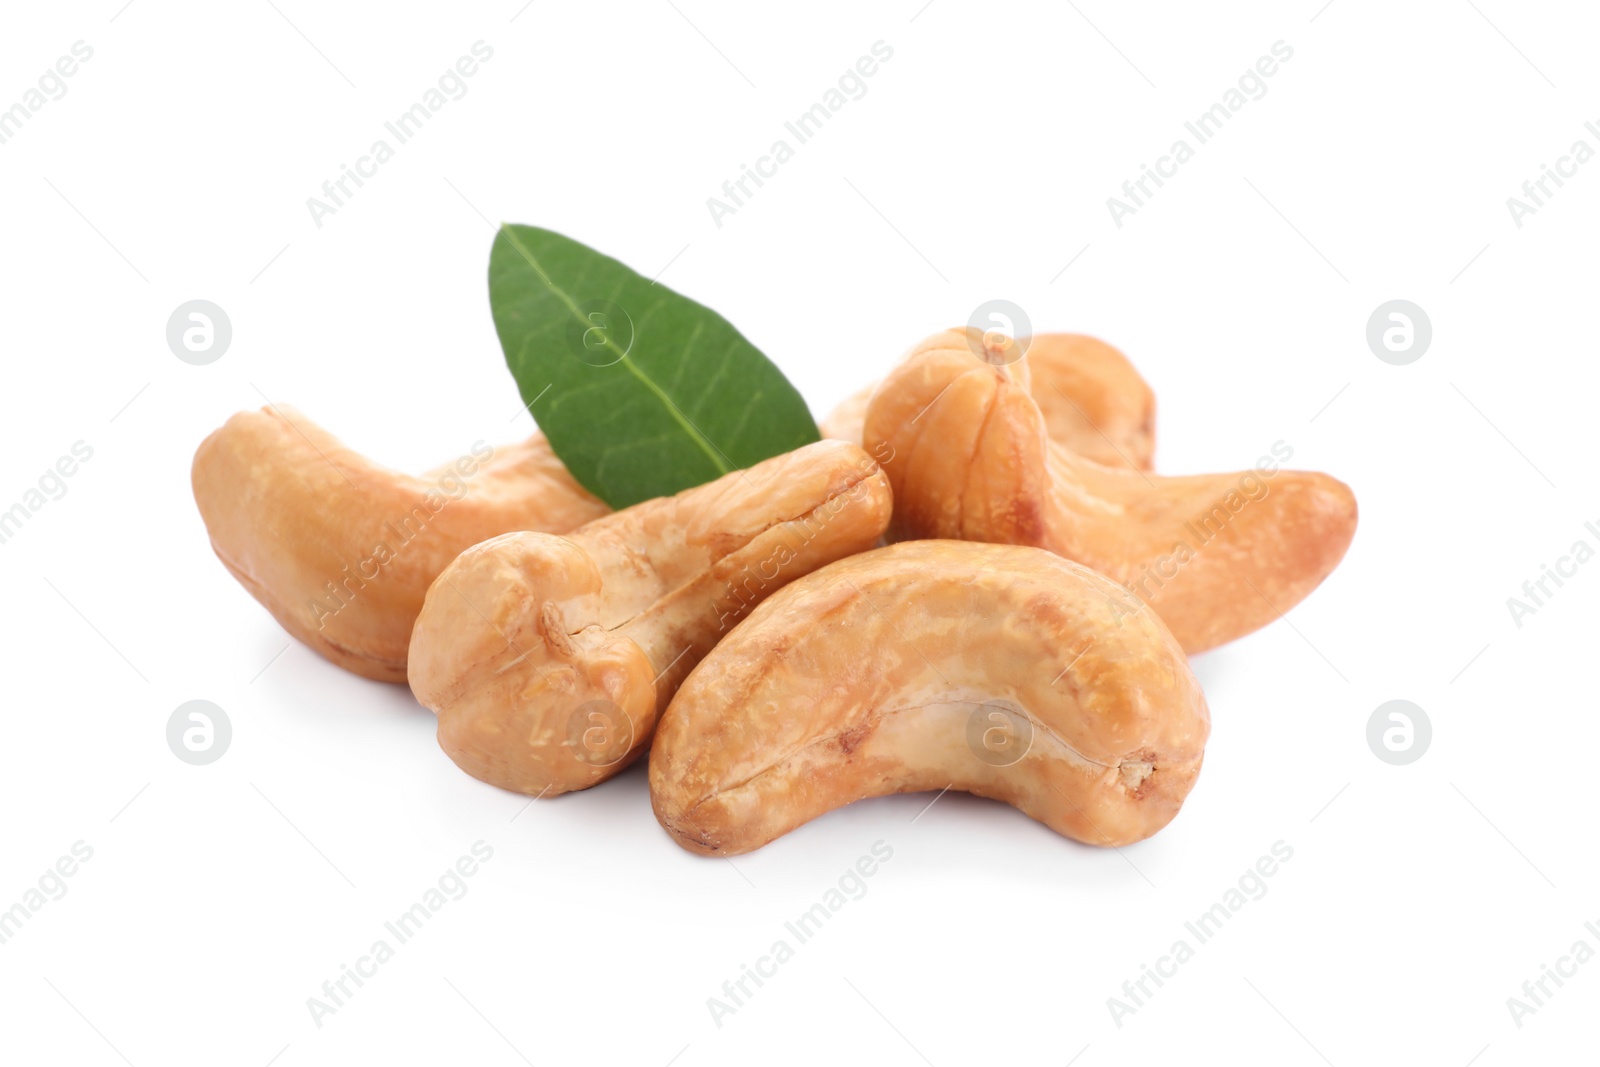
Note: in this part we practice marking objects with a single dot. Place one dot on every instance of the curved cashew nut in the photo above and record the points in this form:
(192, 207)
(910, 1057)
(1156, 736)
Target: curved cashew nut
(1216, 555)
(998, 670)
(341, 550)
(549, 658)
(1094, 401)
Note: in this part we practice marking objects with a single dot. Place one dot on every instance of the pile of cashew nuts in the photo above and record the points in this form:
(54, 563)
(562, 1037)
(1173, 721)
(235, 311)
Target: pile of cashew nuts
(973, 582)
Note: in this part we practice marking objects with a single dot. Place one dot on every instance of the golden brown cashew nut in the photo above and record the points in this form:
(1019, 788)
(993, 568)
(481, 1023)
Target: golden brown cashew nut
(998, 670)
(1216, 555)
(1094, 401)
(548, 659)
(341, 550)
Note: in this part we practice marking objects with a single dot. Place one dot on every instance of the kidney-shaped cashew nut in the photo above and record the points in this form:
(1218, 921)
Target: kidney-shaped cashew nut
(1000, 670)
(1218, 555)
(341, 550)
(549, 658)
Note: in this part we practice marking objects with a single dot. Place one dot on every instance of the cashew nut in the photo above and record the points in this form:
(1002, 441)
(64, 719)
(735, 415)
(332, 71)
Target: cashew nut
(548, 659)
(1216, 555)
(999, 670)
(1094, 401)
(341, 550)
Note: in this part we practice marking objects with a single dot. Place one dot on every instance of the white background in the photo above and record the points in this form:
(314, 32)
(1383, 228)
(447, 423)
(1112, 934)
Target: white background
(977, 166)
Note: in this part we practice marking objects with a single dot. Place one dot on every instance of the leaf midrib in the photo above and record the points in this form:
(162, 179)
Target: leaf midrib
(700, 439)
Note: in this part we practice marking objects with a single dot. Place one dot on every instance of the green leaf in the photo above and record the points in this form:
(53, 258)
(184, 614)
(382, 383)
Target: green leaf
(641, 391)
